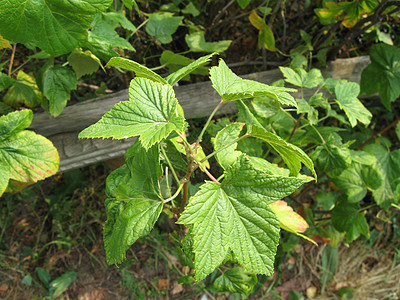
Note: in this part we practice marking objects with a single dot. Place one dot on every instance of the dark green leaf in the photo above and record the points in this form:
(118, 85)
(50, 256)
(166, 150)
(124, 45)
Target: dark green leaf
(43, 276)
(84, 62)
(5, 81)
(346, 218)
(162, 26)
(191, 9)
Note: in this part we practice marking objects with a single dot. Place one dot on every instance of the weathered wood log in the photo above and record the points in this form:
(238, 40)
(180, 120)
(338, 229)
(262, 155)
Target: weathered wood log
(198, 100)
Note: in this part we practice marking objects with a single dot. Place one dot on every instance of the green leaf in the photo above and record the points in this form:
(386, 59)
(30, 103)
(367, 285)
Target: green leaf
(56, 83)
(174, 156)
(100, 47)
(5, 81)
(229, 155)
(60, 284)
(243, 3)
(14, 122)
(332, 159)
(236, 280)
(346, 97)
(116, 19)
(388, 165)
(140, 70)
(346, 218)
(134, 203)
(57, 27)
(231, 87)
(183, 72)
(162, 26)
(44, 276)
(266, 38)
(191, 9)
(300, 77)
(292, 155)
(152, 112)
(130, 4)
(235, 215)
(24, 91)
(357, 179)
(383, 74)
(197, 43)
(83, 62)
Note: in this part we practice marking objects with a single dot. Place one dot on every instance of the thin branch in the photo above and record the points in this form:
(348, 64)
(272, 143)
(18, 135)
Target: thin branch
(394, 123)
(12, 59)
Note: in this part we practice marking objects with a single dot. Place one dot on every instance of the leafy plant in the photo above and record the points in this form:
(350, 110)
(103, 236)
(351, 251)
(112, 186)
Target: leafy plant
(232, 219)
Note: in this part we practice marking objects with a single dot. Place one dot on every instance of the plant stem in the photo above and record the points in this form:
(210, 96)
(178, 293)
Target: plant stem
(224, 147)
(206, 125)
(169, 164)
(12, 59)
(295, 127)
(204, 169)
(394, 123)
(174, 195)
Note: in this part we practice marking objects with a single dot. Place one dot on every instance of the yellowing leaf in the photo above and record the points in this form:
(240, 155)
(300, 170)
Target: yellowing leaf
(256, 20)
(23, 92)
(4, 43)
(289, 219)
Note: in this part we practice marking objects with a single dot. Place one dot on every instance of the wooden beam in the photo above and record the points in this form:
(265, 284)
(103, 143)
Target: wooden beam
(197, 100)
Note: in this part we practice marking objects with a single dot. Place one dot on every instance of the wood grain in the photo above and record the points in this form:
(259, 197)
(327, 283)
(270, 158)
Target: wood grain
(198, 100)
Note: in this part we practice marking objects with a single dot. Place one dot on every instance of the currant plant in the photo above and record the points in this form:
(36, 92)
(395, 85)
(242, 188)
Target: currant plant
(236, 215)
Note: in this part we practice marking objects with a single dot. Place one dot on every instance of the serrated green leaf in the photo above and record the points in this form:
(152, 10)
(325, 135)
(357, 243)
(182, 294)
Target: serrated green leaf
(243, 3)
(383, 74)
(332, 159)
(4, 178)
(301, 78)
(60, 284)
(191, 9)
(362, 157)
(116, 18)
(134, 203)
(266, 38)
(24, 91)
(231, 87)
(236, 280)
(14, 122)
(181, 73)
(140, 70)
(57, 27)
(83, 62)
(174, 156)
(56, 83)
(5, 81)
(175, 62)
(162, 26)
(346, 97)
(130, 4)
(357, 179)
(152, 112)
(100, 47)
(225, 136)
(388, 165)
(346, 218)
(292, 155)
(197, 43)
(235, 215)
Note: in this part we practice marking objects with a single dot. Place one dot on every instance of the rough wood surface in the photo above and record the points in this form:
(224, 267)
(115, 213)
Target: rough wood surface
(198, 100)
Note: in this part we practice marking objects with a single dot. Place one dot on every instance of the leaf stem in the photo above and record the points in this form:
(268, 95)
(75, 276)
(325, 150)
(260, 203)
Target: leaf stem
(169, 164)
(174, 195)
(206, 125)
(12, 59)
(225, 146)
(295, 127)
(204, 169)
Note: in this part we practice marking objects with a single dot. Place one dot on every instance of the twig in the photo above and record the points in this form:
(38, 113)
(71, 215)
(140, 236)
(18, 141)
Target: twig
(12, 59)
(92, 87)
(394, 123)
(217, 17)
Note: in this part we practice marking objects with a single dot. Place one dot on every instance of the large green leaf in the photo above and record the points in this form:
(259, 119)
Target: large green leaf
(83, 62)
(231, 87)
(332, 159)
(56, 83)
(133, 204)
(25, 157)
(181, 73)
(162, 26)
(24, 91)
(347, 218)
(383, 74)
(388, 165)
(152, 113)
(357, 179)
(235, 215)
(292, 155)
(346, 97)
(54, 26)
(236, 280)
(301, 78)
(140, 70)
(197, 43)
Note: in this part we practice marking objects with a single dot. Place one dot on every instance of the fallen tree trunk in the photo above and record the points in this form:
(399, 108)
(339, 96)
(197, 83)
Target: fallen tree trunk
(197, 100)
